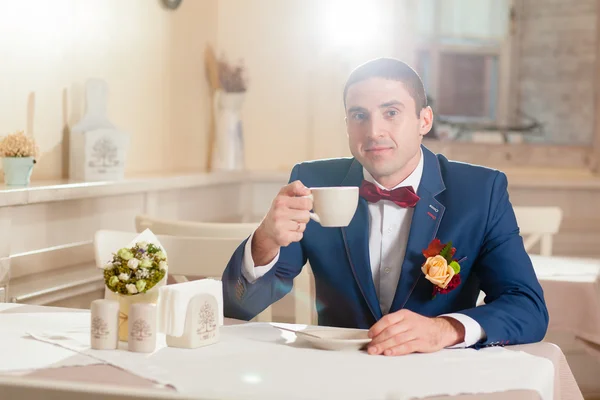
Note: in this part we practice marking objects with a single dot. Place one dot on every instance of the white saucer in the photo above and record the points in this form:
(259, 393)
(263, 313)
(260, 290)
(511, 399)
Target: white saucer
(336, 338)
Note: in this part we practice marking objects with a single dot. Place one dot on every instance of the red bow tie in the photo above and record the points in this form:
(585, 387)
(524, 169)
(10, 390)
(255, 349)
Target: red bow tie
(404, 196)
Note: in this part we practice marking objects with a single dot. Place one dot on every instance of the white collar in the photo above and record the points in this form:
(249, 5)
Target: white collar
(414, 179)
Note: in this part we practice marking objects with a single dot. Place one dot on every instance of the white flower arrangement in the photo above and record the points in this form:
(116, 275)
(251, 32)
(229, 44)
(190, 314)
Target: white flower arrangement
(18, 145)
(136, 269)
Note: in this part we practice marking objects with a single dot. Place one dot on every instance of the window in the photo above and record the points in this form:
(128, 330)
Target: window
(462, 46)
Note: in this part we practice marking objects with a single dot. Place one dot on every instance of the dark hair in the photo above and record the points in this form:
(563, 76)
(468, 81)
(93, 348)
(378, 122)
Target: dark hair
(390, 68)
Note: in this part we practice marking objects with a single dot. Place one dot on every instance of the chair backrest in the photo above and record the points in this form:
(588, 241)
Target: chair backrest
(538, 224)
(232, 231)
(159, 226)
(203, 256)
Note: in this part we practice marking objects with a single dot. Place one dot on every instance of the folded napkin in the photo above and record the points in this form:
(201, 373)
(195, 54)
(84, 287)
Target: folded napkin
(174, 300)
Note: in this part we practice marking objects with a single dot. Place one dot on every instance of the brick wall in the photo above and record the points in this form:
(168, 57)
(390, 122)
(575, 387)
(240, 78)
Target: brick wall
(555, 67)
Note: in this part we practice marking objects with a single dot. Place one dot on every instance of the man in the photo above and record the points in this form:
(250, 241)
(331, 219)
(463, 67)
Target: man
(369, 274)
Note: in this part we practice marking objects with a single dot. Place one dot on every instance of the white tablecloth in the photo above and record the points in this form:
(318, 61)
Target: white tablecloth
(19, 352)
(259, 361)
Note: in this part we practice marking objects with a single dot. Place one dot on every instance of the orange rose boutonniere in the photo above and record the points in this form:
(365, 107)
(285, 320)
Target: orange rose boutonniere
(440, 268)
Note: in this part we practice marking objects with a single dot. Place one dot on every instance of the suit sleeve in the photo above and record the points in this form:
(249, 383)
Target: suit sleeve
(244, 300)
(515, 311)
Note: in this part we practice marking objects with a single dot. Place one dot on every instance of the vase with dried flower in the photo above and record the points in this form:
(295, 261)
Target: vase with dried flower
(18, 152)
(228, 146)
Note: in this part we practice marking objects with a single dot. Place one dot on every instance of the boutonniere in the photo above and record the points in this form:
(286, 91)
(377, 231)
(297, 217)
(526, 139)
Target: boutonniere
(440, 268)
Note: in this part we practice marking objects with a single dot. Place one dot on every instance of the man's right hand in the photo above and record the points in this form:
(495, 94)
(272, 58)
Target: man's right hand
(284, 223)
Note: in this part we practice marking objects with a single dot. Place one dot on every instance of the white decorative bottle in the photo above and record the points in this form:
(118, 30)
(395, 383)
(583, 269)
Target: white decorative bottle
(228, 149)
(97, 149)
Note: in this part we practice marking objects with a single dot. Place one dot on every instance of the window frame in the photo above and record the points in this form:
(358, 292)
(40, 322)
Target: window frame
(437, 44)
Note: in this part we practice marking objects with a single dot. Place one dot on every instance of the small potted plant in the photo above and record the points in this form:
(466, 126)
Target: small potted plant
(18, 153)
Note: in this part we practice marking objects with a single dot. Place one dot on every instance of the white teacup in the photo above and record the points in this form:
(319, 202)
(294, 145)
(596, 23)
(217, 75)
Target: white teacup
(334, 206)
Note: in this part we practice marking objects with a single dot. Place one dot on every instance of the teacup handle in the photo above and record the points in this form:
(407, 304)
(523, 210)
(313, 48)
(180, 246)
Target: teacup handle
(313, 215)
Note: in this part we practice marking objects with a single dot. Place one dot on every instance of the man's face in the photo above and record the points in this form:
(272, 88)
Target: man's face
(384, 130)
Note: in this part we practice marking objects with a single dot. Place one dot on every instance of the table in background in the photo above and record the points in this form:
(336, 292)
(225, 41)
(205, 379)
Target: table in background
(572, 292)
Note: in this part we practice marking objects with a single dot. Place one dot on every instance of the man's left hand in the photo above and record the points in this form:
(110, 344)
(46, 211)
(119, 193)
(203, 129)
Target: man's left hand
(405, 332)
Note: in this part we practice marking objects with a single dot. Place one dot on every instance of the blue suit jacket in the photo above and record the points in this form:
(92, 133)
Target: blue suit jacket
(462, 203)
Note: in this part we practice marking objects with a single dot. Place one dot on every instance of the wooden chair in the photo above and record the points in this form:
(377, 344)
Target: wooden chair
(187, 228)
(236, 231)
(158, 226)
(538, 225)
(304, 297)
(186, 255)
(303, 308)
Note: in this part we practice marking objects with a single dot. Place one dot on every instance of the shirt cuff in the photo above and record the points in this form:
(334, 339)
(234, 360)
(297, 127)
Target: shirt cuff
(473, 331)
(249, 270)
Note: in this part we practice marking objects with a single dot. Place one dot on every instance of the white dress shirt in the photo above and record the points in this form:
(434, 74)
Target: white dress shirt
(389, 228)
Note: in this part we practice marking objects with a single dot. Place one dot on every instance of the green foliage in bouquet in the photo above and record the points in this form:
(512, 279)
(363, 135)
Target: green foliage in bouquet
(135, 270)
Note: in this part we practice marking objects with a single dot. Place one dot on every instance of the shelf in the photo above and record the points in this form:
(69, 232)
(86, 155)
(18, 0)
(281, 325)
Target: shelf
(48, 191)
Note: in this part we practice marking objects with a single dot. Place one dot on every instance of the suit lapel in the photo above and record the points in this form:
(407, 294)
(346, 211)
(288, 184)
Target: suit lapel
(356, 242)
(425, 222)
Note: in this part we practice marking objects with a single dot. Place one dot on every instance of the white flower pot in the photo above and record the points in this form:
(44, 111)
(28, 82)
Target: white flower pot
(228, 148)
(17, 170)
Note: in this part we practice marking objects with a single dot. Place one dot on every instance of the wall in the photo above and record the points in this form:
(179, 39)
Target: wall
(193, 25)
(556, 66)
(298, 55)
(151, 58)
(297, 62)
